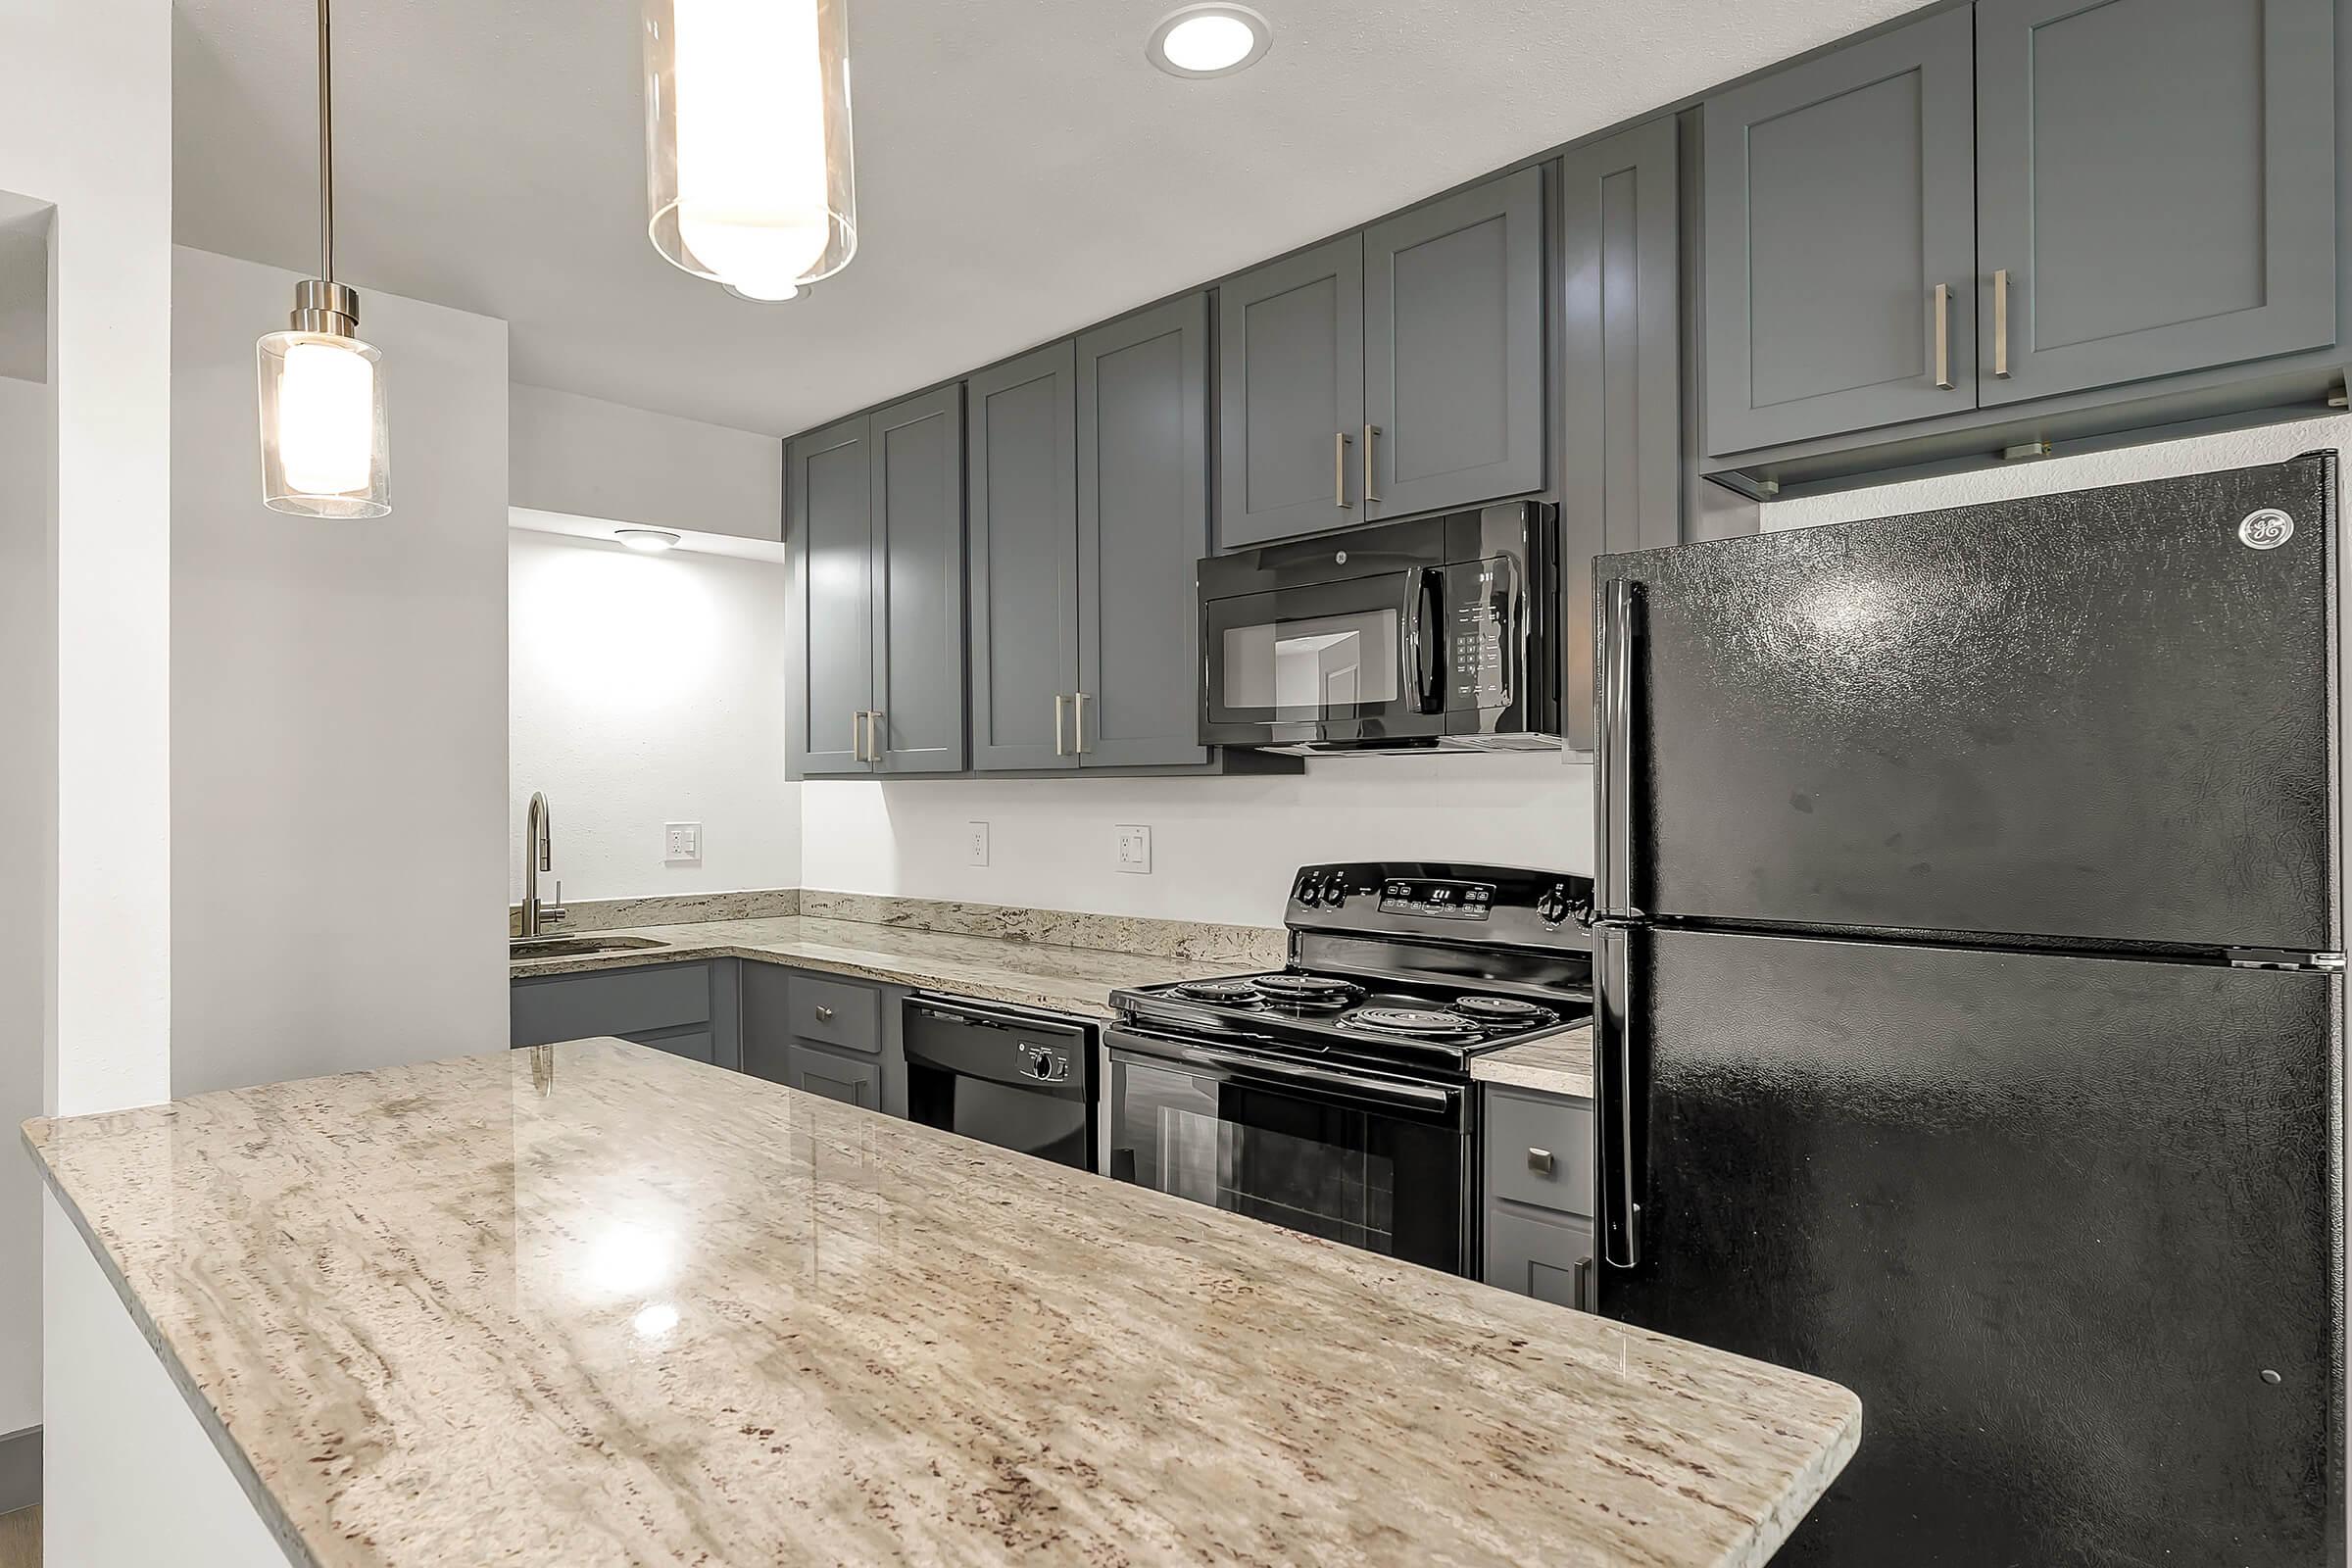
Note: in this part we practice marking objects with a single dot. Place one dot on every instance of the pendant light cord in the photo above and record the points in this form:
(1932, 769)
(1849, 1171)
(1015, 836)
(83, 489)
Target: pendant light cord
(327, 155)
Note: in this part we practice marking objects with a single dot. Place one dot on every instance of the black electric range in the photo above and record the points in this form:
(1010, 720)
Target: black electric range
(1334, 1094)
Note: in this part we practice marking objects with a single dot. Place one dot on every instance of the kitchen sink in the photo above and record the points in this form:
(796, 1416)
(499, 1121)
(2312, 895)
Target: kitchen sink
(576, 947)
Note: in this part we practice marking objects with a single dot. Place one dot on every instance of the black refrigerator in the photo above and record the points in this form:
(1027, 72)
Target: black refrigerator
(1971, 1004)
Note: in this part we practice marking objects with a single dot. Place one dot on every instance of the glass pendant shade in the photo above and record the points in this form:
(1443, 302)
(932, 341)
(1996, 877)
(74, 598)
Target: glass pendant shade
(747, 127)
(324, 447)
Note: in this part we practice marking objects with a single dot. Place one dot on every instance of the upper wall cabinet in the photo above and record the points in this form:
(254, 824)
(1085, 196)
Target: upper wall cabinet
(876, 509)
(1840, 241)
(1024, 572)
(1394, 372)
(1090, 506)
(1143, 526)
(2155, 189)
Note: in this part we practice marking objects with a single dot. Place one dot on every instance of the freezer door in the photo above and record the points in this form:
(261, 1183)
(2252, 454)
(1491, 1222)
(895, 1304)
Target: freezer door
(2070, 1227)
(2097, 716)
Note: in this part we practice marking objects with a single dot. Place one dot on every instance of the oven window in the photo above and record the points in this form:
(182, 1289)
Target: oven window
(1314, 665)
(1329, 1168)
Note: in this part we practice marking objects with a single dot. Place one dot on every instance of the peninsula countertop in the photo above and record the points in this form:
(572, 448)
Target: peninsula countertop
(1038, 974)
(590, 1304)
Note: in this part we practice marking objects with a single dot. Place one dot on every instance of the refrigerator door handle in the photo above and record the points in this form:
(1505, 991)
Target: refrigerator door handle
(1614, 728)
(1617, 1148)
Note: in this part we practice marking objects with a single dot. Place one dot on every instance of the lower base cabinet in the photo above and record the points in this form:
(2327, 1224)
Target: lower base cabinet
(1537, 1231)
(825, 1035)
(688, 1010)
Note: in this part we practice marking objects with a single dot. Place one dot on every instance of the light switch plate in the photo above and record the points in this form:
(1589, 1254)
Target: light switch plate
(1134, 848)
(975, 843)
(682, 843)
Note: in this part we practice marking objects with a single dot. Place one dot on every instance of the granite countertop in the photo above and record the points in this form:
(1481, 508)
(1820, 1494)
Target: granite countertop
(1066, 979)
(1558, 1064)
(590, 1304)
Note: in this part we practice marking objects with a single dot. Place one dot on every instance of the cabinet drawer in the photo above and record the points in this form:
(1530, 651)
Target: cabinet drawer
(836, 1012)
(1539, 1150)
(608, 1001)
(1551, 1260)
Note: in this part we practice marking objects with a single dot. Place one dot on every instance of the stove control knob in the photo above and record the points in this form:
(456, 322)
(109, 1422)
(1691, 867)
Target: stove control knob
(1307, 890)
(1553, 905)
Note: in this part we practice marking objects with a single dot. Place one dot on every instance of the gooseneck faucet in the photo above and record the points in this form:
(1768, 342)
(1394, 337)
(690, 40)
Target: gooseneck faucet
(538, 854)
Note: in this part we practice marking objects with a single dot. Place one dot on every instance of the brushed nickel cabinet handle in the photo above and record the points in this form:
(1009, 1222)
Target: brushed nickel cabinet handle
(875, 739)
(1540, 1161)
(2001, 323)
(1370, 430)
(1061, 701)
(1078, 722)
(824, 1014)
(1339, 471)
(857, 735)
(1944, 337)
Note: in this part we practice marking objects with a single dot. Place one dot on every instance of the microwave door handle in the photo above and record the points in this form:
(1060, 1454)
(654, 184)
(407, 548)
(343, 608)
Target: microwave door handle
(1424, 637)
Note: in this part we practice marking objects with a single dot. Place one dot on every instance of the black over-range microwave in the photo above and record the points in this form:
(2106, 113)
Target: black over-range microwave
(1431, 634)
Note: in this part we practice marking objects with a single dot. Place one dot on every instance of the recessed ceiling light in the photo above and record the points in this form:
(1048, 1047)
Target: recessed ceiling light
(1209, 40)
(760, 294)
(646, 541)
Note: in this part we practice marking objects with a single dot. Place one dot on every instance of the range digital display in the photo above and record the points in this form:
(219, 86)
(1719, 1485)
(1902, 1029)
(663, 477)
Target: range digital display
(1441, 901)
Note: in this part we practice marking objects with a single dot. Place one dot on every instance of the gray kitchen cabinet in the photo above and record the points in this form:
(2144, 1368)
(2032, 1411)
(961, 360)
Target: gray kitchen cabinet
(689, 1009)
(1620, 373)
(1290, 395)
(826, 1034)
(1143, 526)
(1025, 597)
(830, 498)
(1454, 351)
(2155, 189)
(918, 724)
(1536, 1159)
(876, 507)
(1840, 247)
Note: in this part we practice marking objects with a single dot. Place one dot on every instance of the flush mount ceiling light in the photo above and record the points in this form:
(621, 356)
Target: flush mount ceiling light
(1209, 40)
(326, 452)
(746, 141)
(646, 541)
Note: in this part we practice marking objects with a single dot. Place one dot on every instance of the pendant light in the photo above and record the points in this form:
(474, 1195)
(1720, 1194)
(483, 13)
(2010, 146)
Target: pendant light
(746, 141)
(324, 447)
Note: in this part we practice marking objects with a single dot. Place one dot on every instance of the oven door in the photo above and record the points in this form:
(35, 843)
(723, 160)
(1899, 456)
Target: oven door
(1355, 660)
(1366, 1159)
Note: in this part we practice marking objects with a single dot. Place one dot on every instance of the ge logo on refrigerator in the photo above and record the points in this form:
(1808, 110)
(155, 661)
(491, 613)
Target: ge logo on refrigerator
(2265, 530)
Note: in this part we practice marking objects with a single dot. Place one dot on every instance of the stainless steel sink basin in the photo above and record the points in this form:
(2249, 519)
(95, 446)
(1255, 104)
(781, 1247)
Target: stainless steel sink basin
(576, 947)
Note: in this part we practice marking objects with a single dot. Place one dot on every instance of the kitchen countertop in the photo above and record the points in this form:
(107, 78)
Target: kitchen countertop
(1558, 1064)
(592, 1304)
(1065, 979)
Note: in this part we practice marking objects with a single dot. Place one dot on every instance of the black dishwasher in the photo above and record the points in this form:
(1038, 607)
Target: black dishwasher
(1017, 1079)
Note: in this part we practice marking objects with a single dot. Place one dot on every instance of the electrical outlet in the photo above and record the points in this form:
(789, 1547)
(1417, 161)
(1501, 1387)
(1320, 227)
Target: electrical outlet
(975, 843)
(1134, 848)
(682, 843)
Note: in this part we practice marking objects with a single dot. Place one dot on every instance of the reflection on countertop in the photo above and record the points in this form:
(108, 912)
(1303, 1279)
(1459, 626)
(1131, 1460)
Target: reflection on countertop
(590, 1304)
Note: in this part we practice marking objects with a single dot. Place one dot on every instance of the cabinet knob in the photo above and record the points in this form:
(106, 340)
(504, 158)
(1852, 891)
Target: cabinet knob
(1540, 1161)
(824, 1014)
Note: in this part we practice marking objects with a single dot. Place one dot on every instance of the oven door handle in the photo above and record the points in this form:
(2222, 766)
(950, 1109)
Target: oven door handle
(1424, 636)
(1420, 1096)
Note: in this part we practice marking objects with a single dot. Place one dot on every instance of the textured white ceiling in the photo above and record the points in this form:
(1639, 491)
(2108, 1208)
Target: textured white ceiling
(1021, 170)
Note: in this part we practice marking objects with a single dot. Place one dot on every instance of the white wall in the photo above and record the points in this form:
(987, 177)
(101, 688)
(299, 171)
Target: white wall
(26, 772)
(591, 459)
(1223, 849)
(645, 690)
(339, 699)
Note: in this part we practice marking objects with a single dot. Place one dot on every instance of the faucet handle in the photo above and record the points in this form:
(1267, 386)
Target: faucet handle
(554, 914)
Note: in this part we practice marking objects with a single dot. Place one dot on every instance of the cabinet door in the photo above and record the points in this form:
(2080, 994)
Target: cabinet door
(1454, 351)
(2156, 179)
(1620, 375)
(851, 1080)
(1551, 1260)
(1143, 527)
(831, 487)
(1290, 396)
(916, 448)
(1839, 195)
(1024, 577)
